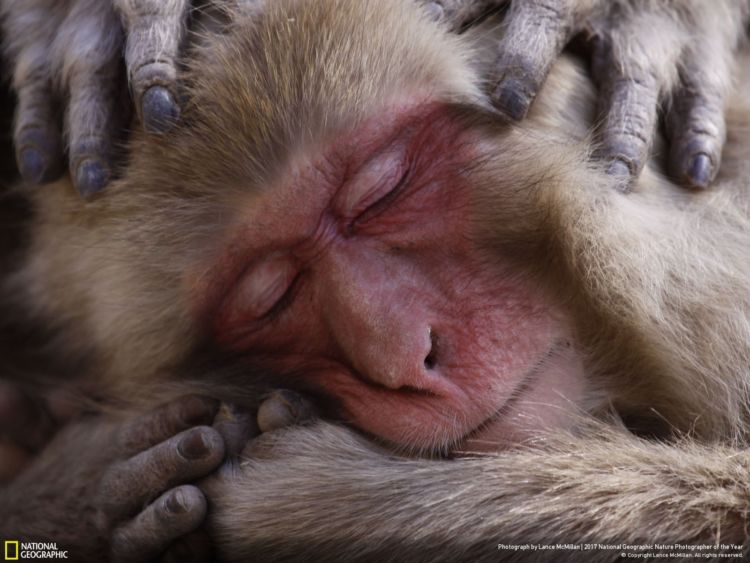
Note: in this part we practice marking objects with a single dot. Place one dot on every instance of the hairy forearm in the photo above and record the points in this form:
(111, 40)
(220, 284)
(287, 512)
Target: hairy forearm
(323, 491)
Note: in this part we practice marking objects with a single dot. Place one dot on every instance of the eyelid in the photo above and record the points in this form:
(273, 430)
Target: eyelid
(374, 180)
(263, 286)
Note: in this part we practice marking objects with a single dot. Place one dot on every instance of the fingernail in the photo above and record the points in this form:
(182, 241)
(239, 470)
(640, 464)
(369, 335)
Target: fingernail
(293, 402)
(274, 414)
(91, 177)
(511, 99)
(193, 446)
(620, 170)
(176, 502)
(283, 408)
(435, 11)
(32, 165)
(160, 112)
(39, 155)
(699, 171)
(197, 410)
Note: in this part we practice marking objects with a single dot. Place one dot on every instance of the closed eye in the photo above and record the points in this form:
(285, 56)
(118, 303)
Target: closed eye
(282, 302)
(372, 181)
(384, 202)
(264, 290)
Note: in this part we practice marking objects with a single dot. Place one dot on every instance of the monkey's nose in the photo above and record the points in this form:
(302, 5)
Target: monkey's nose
(430, 361)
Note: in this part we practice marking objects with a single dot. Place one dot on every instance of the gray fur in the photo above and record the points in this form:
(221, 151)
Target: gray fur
(657, 281)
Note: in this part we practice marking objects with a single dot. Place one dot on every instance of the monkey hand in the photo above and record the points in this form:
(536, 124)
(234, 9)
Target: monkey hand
(645, 55)
(105, 489)
(69, 53)
(291, 436)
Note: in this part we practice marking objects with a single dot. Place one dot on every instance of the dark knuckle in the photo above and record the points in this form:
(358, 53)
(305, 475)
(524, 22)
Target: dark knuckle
(625, 153)
(552, 11)
(629, 141)
(644, 84)
(635, 136)
(701, 130)
(154, 72)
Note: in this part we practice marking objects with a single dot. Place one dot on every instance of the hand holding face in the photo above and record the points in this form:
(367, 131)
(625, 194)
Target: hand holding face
(117, 490)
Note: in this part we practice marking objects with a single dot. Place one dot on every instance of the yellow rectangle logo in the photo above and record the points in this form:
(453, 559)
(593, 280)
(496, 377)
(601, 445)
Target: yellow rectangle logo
(11, 550)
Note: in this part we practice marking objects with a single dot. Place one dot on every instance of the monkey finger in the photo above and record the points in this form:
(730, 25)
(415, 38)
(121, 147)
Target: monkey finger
(91, 67)
(38, 141)
(629, 123)
(630, 71)
(195, 547)
(695, 123)
(91, 124)
(284, 408)
(27, 31)
(185, 457)
(155, 30)
(236, 426)
(537, 32)
(176, 513)
(166, 421)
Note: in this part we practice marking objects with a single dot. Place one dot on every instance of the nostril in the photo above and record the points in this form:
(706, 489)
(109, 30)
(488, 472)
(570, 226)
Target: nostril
(430, 360)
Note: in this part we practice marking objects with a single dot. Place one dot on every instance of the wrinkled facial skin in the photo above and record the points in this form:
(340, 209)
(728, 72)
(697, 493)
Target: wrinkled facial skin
(360, 272)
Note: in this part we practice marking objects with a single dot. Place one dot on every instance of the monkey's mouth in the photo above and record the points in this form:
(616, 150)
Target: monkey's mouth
(544, 399)
(473, 440)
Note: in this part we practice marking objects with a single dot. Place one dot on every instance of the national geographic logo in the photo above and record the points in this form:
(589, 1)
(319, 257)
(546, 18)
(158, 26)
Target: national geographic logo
(11, 550)
(15, 550)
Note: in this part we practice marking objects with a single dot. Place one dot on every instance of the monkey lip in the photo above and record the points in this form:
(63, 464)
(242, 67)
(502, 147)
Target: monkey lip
(543, 399)
(494, 432)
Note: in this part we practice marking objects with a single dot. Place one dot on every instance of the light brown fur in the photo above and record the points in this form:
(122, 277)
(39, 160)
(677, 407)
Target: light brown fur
(658, 281)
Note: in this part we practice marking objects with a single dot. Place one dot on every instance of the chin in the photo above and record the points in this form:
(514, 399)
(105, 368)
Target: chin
(545, 402)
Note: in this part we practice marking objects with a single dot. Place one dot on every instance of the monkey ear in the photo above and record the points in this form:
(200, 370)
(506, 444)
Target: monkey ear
(284, 408)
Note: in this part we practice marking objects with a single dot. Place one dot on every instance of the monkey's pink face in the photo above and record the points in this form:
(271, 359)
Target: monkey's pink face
(361, 273)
